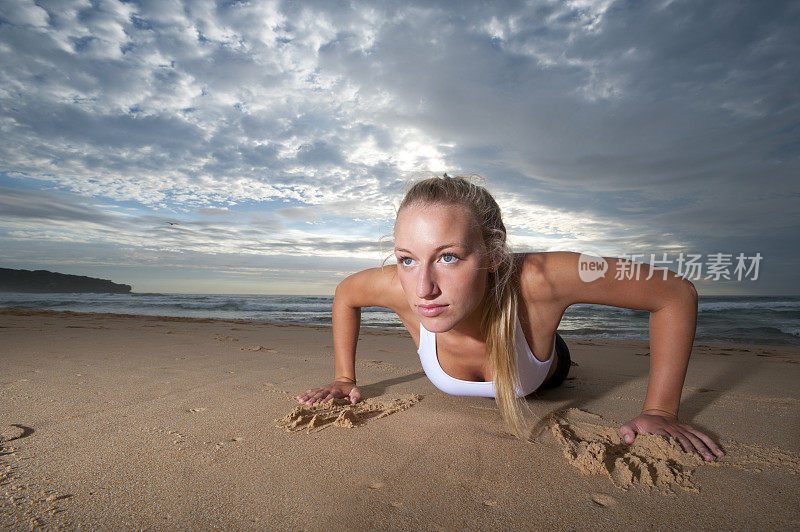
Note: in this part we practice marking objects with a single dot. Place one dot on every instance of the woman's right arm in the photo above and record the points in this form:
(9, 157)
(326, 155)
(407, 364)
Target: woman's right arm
(376, 287)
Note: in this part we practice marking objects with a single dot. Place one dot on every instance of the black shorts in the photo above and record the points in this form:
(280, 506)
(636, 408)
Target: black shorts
(562, 362)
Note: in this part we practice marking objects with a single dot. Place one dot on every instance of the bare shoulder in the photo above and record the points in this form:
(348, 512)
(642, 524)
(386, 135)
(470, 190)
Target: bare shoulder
(375, 287)
(538, 274)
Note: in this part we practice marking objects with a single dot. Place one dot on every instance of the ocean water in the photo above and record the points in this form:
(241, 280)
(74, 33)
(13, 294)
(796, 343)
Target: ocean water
(770, 320)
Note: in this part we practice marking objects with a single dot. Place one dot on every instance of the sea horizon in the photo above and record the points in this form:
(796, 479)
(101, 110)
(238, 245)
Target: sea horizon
(750, 319)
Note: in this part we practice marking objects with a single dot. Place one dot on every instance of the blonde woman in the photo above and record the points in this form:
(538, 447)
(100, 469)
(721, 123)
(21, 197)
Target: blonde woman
(485, 319)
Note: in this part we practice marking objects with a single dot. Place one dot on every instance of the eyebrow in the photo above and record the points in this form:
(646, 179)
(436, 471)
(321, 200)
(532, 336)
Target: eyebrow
(453, 245)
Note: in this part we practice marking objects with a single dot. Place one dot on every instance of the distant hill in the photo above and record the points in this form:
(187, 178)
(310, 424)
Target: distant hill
(43, 281)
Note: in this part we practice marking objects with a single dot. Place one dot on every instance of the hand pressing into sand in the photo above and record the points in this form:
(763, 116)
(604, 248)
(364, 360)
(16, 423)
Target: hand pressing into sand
(667, 425)
(334, 390)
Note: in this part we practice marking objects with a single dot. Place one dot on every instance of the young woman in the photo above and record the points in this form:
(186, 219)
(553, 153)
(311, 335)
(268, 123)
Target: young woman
(485, 319)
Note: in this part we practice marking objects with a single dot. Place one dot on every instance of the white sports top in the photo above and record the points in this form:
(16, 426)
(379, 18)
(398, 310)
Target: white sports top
(532, 371)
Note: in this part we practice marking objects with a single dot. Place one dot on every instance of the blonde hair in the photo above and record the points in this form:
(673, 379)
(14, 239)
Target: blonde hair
(500, 308)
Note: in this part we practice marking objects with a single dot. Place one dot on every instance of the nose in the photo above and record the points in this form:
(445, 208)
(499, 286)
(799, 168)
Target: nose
(426, 284)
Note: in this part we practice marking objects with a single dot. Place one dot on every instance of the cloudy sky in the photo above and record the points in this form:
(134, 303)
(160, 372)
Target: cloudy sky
(277, 137)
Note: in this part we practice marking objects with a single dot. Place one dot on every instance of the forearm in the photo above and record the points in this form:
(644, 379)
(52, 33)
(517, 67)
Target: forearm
(346, 324)
(672, 329)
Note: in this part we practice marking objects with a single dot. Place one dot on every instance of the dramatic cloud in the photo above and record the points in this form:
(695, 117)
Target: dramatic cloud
(288, 129)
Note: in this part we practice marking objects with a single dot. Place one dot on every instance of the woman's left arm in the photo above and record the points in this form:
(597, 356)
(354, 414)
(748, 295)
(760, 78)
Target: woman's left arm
(672, 302)
(672, 329)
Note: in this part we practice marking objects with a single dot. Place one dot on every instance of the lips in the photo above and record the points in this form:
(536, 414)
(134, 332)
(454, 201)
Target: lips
(430, 311)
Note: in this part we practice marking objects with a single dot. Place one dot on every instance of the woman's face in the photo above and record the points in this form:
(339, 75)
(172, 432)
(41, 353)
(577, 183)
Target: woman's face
(442, 264)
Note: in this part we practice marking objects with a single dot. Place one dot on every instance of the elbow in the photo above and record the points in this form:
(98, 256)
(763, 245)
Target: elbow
(688, 297)
(682, 287)
(681, 294)
(343, 291)
(691, 290)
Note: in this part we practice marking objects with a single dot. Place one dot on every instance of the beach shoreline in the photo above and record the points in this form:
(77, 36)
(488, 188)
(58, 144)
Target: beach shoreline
(15, 311)
(128, 421)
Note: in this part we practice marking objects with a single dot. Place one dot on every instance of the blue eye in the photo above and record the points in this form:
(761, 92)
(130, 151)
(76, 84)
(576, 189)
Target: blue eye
(405, 261)
(452, 258)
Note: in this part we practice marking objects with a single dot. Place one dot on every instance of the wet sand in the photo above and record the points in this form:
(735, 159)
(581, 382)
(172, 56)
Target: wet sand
(113, 421)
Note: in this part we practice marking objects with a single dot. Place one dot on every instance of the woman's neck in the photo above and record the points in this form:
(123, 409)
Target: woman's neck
(471, 327)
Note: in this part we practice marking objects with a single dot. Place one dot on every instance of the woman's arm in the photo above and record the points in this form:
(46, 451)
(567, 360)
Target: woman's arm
(672, 328)
(346, 315)
(672, 303)
(375, 287)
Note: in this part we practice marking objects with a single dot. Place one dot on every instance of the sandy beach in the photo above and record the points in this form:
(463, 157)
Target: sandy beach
(113, 421)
